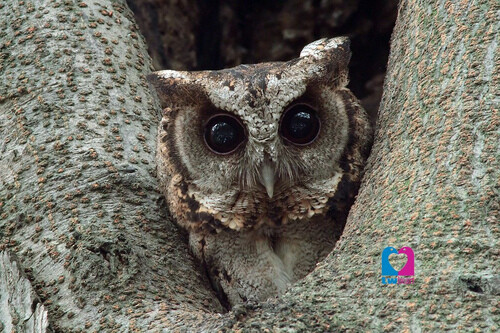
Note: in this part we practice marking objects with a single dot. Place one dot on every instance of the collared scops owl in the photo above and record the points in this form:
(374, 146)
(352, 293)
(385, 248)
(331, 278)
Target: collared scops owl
(260, 164)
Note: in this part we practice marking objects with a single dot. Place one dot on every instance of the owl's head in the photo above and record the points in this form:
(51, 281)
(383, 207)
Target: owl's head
(260, 144)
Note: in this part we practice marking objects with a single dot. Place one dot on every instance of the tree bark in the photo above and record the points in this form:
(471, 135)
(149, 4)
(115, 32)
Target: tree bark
(20, 308)
(80, 208)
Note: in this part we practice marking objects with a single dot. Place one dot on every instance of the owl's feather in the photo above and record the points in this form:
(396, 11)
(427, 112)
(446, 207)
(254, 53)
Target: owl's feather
(260, 217)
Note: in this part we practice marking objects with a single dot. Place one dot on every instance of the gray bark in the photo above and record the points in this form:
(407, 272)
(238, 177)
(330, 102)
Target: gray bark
(20, 308)
(80, 208)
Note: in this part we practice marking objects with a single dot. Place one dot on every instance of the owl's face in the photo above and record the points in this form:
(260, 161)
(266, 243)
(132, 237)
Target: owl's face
(259, 144)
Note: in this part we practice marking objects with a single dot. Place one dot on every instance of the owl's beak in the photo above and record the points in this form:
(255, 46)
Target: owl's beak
(267, 178)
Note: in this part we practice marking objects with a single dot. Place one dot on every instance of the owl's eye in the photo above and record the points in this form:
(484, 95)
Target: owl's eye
(300, 124)
(224, 133)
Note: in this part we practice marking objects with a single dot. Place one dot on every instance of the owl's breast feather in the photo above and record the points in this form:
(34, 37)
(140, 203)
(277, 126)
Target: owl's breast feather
(239, 211)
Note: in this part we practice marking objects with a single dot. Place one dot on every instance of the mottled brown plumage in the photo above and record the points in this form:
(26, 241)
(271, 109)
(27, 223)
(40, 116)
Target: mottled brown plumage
(263, 214)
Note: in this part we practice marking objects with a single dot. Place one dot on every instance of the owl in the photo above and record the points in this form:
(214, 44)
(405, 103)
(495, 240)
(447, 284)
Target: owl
(260, 164)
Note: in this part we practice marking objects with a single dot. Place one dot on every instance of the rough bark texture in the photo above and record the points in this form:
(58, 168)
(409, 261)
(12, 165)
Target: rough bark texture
(79, 206)
(20, 307)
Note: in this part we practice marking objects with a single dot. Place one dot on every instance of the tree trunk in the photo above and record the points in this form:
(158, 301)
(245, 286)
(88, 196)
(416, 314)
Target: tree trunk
(80, 208)
(20, 307)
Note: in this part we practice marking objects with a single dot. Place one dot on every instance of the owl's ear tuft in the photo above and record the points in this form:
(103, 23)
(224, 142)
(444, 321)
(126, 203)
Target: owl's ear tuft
(174, 87)
(340, 46)
(332, 55)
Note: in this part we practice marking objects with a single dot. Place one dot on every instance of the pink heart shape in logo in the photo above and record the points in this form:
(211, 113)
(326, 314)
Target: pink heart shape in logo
(409, 268)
